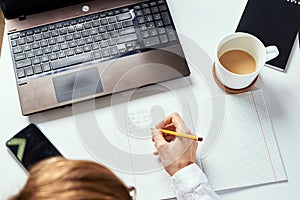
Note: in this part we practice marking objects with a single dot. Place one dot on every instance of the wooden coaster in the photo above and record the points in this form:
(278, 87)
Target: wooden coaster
(230, 90)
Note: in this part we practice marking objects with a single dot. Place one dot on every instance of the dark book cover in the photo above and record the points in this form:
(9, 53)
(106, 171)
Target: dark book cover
(274, 22)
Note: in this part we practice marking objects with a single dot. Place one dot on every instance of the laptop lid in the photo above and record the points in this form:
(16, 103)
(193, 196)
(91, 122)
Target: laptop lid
(22, 8)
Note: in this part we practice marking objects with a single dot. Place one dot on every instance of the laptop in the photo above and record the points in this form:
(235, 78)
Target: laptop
(67, 51)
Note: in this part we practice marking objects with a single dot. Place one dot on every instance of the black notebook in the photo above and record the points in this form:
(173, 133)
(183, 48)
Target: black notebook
(274, 22)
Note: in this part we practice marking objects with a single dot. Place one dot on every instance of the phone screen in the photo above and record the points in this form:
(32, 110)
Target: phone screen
(30, 146)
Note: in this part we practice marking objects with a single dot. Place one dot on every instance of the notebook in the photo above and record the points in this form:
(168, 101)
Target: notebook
(69, 51)
(244, 154)
(274, 22)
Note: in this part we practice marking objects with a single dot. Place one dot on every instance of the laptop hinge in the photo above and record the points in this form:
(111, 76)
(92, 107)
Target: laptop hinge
(22, 17)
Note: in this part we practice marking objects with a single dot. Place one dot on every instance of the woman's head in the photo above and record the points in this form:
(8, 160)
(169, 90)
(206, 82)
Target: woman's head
(58, 178)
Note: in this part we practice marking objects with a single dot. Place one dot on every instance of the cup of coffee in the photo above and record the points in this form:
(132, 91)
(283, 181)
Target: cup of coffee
(240, 57)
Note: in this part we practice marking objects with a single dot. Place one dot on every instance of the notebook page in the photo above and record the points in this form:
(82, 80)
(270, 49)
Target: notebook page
(156, 183)
(246, 152)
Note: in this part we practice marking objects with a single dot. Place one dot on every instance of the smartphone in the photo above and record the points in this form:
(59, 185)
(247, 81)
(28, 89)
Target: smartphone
(30, 146)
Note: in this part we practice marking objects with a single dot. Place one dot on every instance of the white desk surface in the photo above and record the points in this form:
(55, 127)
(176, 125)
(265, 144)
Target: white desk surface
(205, 22)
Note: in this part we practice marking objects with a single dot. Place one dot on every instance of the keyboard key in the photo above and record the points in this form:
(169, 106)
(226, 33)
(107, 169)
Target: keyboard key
(65, 62)
(97, 54)
(36, 61)
(88, 40)
(171, 33)
(23, 63)
(105, 52)
(14, 43)
(87, 48)
(127, 24)
(29, 71)
(78, 50)
(156, 16)
(96, 23)
(44, 43)
(103, 21)
(138, 13)
(61, 54)
(145, 34)
(30, 54)
(153, 32)
(103, 44)
(123, 10)
(102, 29)
(159, 23)
(46, 67)
(27, 47)
(151, 41)
(47, 50)
(38, 52)
(126, 38)
(162, 7)
(154, 9)
(46, 35)
(17, 50)
(97, 38)
(37, 69)
(20, 56)
(94, 31)
(70, 52)
(44, 58)
(52, 41)
(126, 31)
(71, 29)
(144, 5)
(112, 20)
(114, 51)
(150, 25)
(53, 56)
(20, 73)
(95, 46)
(163, 38)
(146, 11)
(79, 27)
(55, 48)
(64, 46)
(37, 37)
(29, 39)
(123, 17)
(166, 18)
(21, 41)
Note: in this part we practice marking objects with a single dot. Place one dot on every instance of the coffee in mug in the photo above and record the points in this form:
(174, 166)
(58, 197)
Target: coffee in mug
(240, 57)
(238, 62)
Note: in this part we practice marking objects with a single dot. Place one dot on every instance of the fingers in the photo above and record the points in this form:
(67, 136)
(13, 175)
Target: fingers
(157, 137)
(175, 120)
(160, 125)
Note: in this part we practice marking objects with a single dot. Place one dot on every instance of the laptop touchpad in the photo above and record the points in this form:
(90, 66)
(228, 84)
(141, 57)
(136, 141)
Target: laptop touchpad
(78, 84)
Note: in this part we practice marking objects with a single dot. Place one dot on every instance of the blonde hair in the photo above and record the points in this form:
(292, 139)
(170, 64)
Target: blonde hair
(58, 178)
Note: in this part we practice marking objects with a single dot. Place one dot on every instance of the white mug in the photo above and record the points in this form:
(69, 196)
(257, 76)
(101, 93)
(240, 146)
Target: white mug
(247, 43)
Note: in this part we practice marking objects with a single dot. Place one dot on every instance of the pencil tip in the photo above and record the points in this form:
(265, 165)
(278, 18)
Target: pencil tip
(200, 139)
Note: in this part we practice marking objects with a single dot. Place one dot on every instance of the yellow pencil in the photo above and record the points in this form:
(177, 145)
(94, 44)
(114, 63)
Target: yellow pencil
(193, 137)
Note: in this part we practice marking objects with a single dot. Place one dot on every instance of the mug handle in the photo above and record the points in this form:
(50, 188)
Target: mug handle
(271, 52)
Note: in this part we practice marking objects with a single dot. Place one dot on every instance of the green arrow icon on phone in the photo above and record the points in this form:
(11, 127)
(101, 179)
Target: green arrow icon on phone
(21, 143)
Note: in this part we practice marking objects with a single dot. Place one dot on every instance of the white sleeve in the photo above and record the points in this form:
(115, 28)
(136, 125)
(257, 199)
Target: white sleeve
(190, 183)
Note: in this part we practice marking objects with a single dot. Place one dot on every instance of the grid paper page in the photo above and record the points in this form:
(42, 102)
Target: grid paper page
(246, 152)
(155, 184)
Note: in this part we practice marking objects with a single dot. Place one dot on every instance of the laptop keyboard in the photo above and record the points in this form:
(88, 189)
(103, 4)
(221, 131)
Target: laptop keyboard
(90, 39)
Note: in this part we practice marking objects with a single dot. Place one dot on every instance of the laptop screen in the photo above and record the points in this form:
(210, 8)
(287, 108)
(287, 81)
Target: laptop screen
(16, 8)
